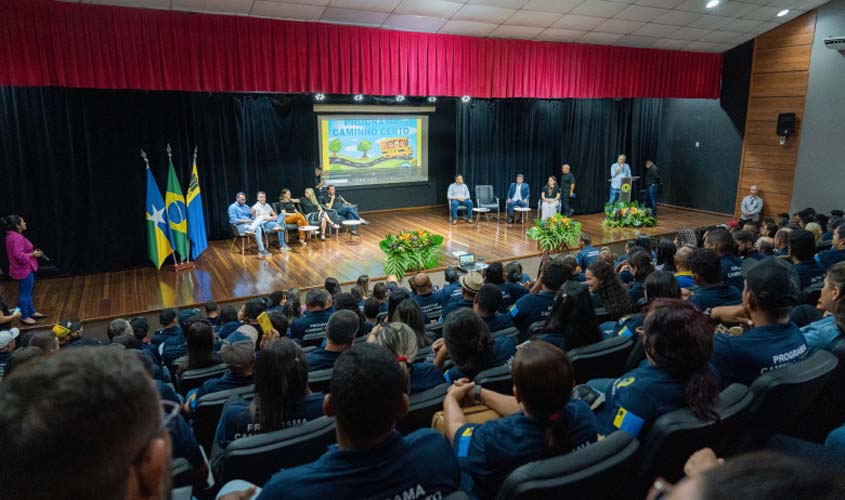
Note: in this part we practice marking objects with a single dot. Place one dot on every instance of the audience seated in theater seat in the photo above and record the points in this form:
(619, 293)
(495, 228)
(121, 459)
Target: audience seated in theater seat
(238, 352)
(837, 249)
(707, 272)
(471, 283)
(824, 333)
(467, 341)
(487, 302)
(606, 290)
(802, 250)
(425, 296)
(537, 305)
(371, 459)
(640, 266)
(572, 322)
(410, 313)
(341, 330)
(539, 420)
(228, 322)
(723, 243)
(400, 339)
(318, 304)
(199, 348)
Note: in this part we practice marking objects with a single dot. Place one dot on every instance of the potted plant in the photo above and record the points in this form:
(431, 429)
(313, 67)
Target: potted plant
(621, 214)
(555, 234)
(411, 251)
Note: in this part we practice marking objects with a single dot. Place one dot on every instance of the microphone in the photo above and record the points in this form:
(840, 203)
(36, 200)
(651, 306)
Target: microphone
(43, 255)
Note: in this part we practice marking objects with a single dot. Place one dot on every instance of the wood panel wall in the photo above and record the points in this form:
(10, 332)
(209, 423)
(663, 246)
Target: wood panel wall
(779, 76)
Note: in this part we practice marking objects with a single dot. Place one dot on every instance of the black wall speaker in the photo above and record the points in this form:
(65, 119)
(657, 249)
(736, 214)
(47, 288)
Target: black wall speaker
(786, 124)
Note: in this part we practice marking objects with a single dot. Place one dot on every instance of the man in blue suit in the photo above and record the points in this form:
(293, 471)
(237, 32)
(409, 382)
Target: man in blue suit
(519, 195)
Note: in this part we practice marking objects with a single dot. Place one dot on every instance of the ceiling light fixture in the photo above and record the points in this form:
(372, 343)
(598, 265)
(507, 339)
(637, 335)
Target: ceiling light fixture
(320, 96)
(432, 99)
(466, 98)
(783, 12)
(712, 3)
(358, 97)
(400, 98)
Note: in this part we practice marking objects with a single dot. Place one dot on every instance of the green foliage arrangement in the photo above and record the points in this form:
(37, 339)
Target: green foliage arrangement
(621, 214)
(555, 234)
(411, 251)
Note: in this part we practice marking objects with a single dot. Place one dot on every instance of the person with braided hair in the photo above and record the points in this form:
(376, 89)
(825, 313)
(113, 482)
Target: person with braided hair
(401, 340)
(539, 421)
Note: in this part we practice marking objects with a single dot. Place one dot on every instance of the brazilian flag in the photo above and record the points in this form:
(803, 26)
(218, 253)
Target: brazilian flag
(176, 214)
(158, 234)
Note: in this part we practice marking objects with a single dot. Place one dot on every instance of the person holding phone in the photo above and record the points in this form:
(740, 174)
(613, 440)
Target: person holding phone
(6, 315)
(23, 263)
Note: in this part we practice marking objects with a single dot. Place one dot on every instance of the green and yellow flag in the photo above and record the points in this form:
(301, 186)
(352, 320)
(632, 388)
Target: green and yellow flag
(176, 214)
(158, 234)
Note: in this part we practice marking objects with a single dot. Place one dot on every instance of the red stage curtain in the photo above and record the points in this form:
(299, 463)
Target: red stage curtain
(48, 43)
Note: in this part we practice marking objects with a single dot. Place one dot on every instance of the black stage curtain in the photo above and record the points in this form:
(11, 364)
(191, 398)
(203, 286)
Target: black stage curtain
(498, 139)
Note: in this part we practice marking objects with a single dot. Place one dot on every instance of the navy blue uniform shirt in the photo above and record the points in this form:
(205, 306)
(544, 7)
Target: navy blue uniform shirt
(223, 383)
(457, 304)
(636, 291)
(430, 305)
(586, 256)
(488, 452)
(830, 257)
(716, 295)
(425, 376)
(420, 465)
(503, 351)
(236, 420)
(530, 309)
(226, 329)
(448, 291)
(810, 273)
(183, 443)
(82, 342)
(162, 335)
(759, 350)
(321, 359)
(498, 322)
(635, 400)
(511, 292)
(310, 322)
(732, 271)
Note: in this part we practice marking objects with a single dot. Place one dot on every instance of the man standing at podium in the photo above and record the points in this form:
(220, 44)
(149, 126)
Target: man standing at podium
(618, 170)
(519, 195)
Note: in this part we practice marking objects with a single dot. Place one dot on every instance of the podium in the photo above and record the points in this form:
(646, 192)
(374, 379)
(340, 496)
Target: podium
(627, 188)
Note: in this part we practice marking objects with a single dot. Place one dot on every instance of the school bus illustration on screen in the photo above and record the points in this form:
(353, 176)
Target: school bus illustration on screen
(396, 147)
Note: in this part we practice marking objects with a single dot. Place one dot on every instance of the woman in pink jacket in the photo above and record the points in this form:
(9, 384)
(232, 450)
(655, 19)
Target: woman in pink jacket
(23, 262)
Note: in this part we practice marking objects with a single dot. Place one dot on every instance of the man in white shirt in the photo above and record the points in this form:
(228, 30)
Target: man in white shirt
(752, 205)
(618, 170)
(269, 219)
(458, 194)
(519, 195)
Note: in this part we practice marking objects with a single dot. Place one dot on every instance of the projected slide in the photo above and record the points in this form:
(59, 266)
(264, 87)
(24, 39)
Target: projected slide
(358, 150)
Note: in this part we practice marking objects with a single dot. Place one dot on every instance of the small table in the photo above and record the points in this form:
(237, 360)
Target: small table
(479, 211)
(522, 211)
(309, 231)
(352, 225)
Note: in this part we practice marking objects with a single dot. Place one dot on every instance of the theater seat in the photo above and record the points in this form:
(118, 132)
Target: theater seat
(193, 379)
(435, 328)
(314, 339)
(511, 332)
(181, 472)
(496, 379)
(422, 408)
(781, 396)
(320, 380)
(598, 471)
(458, 495)
(827, 411)
(257, 458)
(675, 436)
(605, 359)
(207, 413)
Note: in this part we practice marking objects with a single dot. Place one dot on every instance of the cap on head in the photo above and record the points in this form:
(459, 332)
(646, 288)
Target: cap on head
(7, 336)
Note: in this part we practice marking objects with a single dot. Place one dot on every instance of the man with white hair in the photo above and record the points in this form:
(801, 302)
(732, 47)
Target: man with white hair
(618, 170)
(752, 205)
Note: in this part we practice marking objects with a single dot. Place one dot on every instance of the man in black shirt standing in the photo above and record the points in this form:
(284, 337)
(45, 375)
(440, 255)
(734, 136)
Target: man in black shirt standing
(567, 189)
(652, 182)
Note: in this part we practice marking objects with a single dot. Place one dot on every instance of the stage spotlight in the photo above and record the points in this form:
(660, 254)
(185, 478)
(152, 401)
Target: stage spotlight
(400, 98)
(466, 98)
(320, 97)
(358, 97)
(783, 12)
(712, 3)
(432, 99)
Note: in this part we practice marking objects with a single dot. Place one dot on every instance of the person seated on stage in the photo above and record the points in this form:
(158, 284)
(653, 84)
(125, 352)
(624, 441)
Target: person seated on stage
(618, 170)
(369, 392)
(678, 342)
(380, 294)
(640, 266)
(722, 242)
(271, 222)
(537, 306)
(802, 249)
(567, 189)
(519, 195)
(238, 352)
(428, 300)
(771, 290)
(827, 258)
(315, 214)
(341, 331)
(290, 215)
(242, 217)
(540, 420)
(69, 333)
(572, 322)
(706, 270)
(46, 424)
(452, 289)
(683, 273)
(316, 317)
(282, 397)
(606, 290)
(470, 284)
(587, 254)
(410, 313)
(370, 310)
(330, 200)
(467, 341)
(458, 195)
(549, 199)
(752, 205)
(400, 339)
(487, 305)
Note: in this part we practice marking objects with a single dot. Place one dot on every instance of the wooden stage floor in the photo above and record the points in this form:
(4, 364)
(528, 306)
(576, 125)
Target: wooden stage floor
(223, 275)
